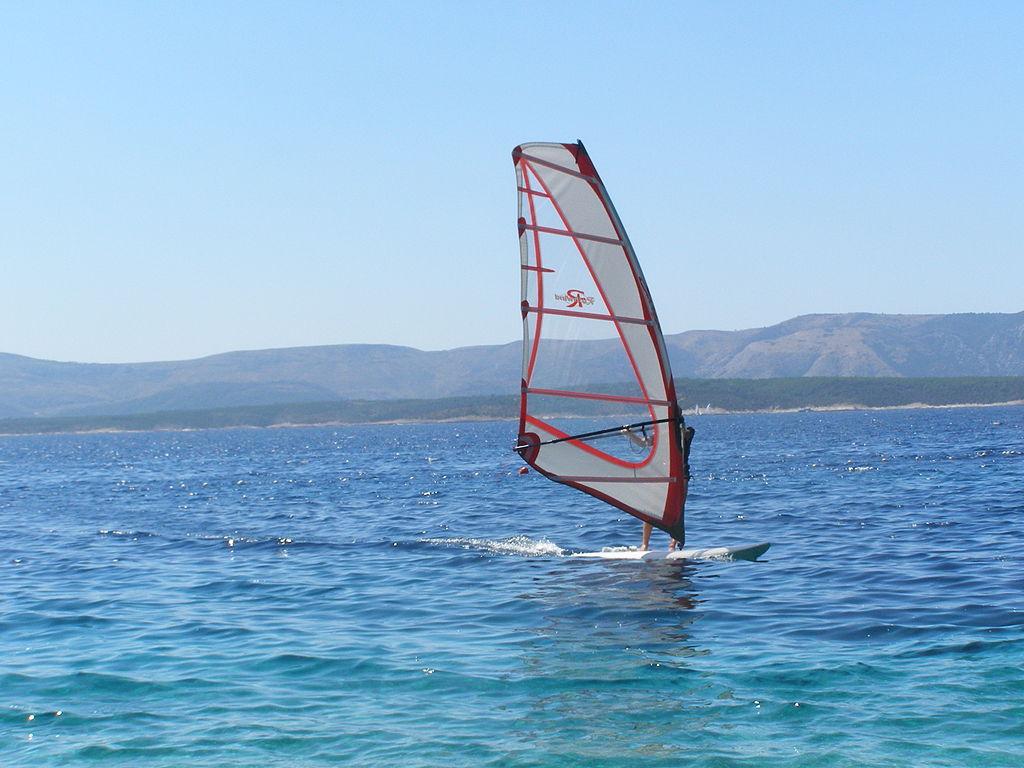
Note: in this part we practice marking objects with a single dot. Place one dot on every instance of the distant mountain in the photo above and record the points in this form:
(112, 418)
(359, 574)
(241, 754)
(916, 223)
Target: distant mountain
(858, 344)
(811, 345)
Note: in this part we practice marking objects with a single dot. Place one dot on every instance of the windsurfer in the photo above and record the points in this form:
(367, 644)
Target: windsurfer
(643, 440)
(646, 544)
(687, 438)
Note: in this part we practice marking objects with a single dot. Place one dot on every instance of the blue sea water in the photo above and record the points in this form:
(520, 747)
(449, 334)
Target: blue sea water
(399, 596)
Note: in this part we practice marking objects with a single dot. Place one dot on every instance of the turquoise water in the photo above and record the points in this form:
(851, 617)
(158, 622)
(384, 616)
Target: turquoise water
(399, 596)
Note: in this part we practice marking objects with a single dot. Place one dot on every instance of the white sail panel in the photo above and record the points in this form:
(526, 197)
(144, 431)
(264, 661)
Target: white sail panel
(593, 354)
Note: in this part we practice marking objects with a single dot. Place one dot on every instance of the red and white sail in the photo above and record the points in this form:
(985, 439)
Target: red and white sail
(593, 354)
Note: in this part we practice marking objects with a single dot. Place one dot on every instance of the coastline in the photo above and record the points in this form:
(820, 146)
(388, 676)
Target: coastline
(852, 407)
(469, 418)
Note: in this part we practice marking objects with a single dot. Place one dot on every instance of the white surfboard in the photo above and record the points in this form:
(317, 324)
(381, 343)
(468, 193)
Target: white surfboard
(748, 552)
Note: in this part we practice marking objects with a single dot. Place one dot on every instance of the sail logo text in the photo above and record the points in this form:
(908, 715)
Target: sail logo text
(575, 298)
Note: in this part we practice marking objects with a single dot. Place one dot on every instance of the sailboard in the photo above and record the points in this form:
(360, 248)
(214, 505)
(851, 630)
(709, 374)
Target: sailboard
(598, 407)
(748, 552)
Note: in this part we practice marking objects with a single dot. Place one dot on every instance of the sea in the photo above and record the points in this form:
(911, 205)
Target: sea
(399, 595)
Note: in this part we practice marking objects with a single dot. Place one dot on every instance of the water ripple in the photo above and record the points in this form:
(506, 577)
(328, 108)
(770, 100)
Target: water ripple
(394, 596)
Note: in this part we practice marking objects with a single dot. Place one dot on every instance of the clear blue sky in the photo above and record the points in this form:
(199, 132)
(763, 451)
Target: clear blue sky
(181, 179)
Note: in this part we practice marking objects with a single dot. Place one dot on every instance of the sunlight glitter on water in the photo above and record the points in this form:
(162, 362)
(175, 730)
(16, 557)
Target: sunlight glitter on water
(157, 612)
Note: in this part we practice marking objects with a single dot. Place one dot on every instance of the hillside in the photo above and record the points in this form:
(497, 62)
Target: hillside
(813, 345)
(857, 345)
(805, 393)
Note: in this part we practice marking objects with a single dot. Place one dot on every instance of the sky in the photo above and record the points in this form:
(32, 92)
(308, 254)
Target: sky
(186, 178)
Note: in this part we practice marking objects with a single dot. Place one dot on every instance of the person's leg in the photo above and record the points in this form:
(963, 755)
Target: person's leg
(647, 536)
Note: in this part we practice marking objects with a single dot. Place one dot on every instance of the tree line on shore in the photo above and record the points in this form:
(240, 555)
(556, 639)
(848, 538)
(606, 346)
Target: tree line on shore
(702, 394)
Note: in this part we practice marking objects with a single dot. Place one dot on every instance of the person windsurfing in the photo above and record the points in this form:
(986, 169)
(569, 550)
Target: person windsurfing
(687, 438)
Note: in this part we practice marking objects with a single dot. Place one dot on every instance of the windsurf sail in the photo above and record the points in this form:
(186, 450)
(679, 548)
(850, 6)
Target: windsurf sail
(598, 410)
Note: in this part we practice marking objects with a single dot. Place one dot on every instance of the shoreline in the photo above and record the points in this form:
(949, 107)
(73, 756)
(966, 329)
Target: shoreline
(711, 411)
(852, 407)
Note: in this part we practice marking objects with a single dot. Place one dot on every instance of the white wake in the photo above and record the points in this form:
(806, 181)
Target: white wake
(523, 546)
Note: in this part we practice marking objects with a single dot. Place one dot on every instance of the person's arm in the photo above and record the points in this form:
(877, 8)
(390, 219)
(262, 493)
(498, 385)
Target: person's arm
(642, 440)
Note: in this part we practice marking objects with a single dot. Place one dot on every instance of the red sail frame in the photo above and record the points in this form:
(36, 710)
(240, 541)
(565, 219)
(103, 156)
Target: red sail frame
(611, 479)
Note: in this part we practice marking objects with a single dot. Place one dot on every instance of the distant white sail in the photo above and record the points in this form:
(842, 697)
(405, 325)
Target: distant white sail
(592, 345)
